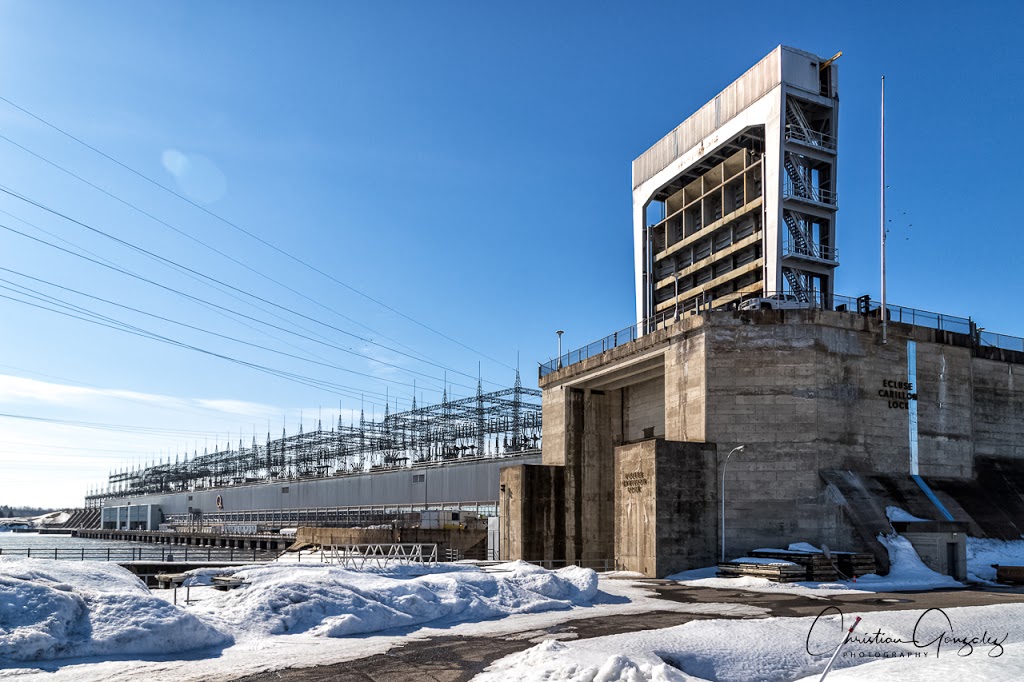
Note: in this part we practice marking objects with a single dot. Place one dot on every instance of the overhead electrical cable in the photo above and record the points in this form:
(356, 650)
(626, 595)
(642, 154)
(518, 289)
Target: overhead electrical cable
(228, 313)
(197, 299)
(199, 241)
(246, 232)
(349, 391)
(121, 428)
(195, 328)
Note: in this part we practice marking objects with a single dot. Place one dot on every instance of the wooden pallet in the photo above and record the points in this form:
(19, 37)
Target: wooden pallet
(1009, 574)
(780, 573)
(855, 564)
(817, 568)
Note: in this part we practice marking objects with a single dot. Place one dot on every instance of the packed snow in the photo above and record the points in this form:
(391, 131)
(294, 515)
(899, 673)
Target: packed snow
(906, 573)
(521, 590)
(62, 609)
(898, 514)
(331, 601)
(982, 553)
(776, 649)
(803, 547)
(761, 561)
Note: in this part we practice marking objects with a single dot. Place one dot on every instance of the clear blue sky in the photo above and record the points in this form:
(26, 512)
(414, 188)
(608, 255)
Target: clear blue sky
(466, 163)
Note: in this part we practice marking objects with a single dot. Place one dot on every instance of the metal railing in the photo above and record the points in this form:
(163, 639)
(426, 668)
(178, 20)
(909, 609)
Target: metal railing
(174, 553)
(810, 137)
(379, 555)
(897, 313)
(811, 250)
(594, 348)
(817, 195)
(862, 305)
(330, 516)
(993, 340)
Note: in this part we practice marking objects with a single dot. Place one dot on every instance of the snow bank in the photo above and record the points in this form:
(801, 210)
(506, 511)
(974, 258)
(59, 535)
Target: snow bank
(983, 552)
(906, 570)
(783, 649)
(331, 601)
(63, 609)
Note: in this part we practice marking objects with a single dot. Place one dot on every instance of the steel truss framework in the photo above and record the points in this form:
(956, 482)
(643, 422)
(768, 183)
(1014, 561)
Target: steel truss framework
(497, 424)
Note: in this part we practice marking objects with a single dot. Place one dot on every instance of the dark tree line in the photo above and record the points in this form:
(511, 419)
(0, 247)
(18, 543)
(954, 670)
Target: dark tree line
(8, 512)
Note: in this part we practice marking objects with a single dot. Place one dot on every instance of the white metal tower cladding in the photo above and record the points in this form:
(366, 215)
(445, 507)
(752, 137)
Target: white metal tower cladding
(739, 200)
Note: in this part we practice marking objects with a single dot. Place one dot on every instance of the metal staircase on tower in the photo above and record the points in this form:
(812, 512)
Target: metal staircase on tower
(799, 236)
(798, 123)
(797, 178)
(796, 285)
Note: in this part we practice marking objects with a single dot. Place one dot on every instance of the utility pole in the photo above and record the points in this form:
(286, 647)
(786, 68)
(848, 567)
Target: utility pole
(885, 310)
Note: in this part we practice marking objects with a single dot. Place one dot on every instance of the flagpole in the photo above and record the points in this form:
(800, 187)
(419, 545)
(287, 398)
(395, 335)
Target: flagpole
(884, 308)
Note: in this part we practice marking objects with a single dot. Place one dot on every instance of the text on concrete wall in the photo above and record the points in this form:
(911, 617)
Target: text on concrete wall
(897, 393)
(634, 481)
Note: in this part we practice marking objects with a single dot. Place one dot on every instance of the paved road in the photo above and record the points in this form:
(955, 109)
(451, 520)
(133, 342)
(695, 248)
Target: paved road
(457, 659)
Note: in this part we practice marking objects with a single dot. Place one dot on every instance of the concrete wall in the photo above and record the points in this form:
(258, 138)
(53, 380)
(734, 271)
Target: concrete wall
(806, 392)
(998, 417)
(665, 507)
(945, 410)
(636, 513)
(686, 385)
(643, 410)
(469, 542)
(531, 513)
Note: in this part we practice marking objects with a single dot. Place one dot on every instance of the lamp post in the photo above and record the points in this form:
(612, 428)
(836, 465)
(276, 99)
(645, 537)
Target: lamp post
(560, 332)
(724, 464)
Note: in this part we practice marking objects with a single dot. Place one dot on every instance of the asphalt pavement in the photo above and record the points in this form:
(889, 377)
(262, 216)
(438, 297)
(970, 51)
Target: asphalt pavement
(457, 659)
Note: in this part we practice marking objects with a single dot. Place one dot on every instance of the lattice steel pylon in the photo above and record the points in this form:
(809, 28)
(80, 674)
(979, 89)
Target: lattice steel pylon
(451, 430)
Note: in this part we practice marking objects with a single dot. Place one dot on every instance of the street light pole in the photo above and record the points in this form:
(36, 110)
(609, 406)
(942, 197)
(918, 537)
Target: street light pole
(724, 465)
(559, 363)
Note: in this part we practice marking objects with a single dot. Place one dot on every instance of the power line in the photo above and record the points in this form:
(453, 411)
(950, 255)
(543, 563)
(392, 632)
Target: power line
(121, 428)
(172, 263)
(220, 310)
(189, 326)
(248, 233)
(199, 241)
(349, 391)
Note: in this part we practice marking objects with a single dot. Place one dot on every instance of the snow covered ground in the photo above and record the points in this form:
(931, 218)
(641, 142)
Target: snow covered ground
(292, 615)
(969, 643)
(93, 621)
(983, 552)
(783, 649)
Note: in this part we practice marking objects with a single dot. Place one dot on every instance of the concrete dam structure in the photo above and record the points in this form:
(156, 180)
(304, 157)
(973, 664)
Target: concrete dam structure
(744, 354)
(835, 428)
